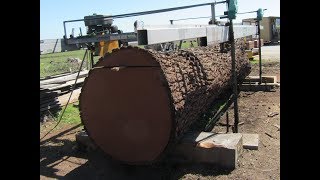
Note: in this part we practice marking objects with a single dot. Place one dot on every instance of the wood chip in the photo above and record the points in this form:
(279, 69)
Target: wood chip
(277, 126)
(273, 114)
(270, 135)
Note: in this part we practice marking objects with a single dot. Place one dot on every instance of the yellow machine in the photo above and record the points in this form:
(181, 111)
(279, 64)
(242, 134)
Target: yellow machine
(98, 26)
(105, 47)
(250, 54)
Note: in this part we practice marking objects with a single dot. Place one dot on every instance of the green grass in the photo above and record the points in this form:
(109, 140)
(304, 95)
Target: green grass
(71, 115)
(187, 44)
(256, 61)
(56, 63)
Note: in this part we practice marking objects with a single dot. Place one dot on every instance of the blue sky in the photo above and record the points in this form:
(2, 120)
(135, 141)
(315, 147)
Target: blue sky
(54, 12)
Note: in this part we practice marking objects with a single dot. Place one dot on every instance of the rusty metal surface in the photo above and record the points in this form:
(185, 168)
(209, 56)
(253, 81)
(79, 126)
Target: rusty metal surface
(135, 102)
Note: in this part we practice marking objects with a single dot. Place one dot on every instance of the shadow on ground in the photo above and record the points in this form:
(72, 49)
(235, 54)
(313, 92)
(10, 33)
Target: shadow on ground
(54, 152)
(100, 166)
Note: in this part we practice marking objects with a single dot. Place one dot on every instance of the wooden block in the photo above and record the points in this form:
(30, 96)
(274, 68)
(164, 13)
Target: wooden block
(265, 79)
(257, 87)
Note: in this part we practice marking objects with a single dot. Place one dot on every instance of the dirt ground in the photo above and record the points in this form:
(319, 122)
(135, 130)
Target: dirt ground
(61, 159)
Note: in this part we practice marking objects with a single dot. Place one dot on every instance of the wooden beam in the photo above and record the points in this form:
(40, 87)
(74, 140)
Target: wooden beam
(63, 79)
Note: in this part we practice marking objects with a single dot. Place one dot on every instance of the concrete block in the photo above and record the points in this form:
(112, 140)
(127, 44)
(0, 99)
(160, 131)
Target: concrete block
(250, 141)
(206, 147)
(84, 142)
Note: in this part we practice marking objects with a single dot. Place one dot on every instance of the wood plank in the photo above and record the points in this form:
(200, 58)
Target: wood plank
(258, 87)
(49, 93)
(265, 79)
(67, 84)
(74, 98)
(46, 86)
(61, 100)
(48, 102)
(55, 76)
(63, 79)
(49, 107)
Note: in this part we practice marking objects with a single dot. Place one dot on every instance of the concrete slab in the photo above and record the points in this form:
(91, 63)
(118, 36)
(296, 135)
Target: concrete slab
(250, 141)
(203, 147)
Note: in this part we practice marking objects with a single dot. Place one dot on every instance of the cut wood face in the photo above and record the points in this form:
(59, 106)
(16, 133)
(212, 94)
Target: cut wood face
(127, 111)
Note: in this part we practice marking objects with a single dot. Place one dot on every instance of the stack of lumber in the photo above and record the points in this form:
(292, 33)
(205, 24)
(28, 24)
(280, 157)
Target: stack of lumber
(55, 92)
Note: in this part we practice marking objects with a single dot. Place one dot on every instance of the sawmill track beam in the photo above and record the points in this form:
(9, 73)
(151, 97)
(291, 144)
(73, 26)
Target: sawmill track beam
(213, 33)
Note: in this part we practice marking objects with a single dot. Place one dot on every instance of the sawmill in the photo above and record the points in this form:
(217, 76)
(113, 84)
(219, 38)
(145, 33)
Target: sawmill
(148, 99)
(139, 102)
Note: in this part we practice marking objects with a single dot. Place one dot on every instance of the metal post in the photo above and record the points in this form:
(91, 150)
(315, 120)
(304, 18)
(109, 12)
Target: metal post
(65, 30)
(227, 119)
(260, 60)
(88, 61)
(180, 44)
(92, 63)
(72, 32)
(234, 78)
(80, 31)
(213, 13)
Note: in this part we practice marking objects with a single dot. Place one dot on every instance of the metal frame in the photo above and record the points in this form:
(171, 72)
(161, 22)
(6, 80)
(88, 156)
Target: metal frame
(129, 37)
(147, 36)
(115, 36)
(213, 33)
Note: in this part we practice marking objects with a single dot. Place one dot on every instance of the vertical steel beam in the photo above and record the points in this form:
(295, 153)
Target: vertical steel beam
(234, 77)
(92, 63)
(260, 60)
(227, 119)
(65, 30)
(213, 13)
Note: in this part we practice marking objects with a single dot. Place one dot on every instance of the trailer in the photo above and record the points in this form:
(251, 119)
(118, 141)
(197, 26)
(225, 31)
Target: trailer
(270, 28)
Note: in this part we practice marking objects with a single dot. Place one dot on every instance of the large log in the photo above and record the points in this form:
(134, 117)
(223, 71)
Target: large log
(135, 104)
